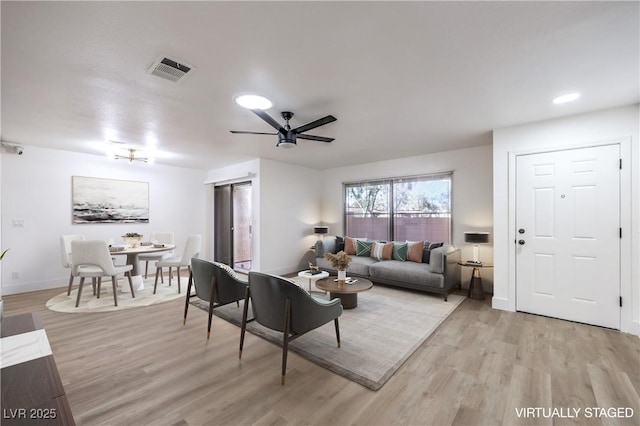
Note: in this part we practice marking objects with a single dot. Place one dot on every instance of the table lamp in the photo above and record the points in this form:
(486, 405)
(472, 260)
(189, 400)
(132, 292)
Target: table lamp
(321, 230)
(476, 238)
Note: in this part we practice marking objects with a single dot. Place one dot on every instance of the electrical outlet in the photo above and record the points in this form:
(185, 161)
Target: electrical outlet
(15, 275)
(18, 223)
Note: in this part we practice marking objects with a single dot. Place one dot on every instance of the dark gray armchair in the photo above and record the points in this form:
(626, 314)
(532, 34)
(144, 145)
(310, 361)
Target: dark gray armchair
(281, 305)
(216, 283)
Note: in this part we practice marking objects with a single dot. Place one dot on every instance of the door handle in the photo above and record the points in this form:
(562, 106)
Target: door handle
(521, 242)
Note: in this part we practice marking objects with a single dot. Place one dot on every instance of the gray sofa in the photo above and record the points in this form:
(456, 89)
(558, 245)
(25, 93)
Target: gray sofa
(440, 275)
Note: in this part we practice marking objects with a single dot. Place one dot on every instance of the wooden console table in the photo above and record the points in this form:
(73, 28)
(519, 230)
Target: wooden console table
(32, 393)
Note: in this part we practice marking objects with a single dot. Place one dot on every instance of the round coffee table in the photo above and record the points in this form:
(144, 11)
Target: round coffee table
(347, 293)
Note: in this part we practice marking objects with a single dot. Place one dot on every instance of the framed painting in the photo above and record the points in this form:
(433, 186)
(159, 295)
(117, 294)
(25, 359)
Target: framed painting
(98, 200)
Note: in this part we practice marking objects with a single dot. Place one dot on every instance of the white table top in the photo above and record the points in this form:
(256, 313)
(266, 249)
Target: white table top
(143, 249)
(307, 274)
(23, 347)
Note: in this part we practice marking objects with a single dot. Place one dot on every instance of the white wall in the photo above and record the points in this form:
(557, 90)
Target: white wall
(286, 206)
(581, 130)
(290, 207)
(472, 194)
(36, 188)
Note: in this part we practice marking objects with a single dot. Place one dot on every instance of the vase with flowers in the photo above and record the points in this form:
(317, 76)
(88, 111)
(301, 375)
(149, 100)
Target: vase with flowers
(340, 261)
(132, 239)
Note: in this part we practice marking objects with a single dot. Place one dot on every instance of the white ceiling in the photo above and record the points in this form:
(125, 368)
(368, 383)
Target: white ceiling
(402, 78)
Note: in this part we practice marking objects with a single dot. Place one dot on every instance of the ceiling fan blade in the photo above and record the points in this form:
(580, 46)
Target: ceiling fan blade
(319, 122)
(266, 117)
(251, 133)
(315, 138)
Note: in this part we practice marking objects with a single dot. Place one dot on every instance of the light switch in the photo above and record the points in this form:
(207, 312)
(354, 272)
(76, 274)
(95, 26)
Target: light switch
(18, 223)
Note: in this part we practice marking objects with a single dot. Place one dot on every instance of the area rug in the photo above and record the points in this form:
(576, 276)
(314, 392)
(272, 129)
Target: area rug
(90, 303)
(377, 337)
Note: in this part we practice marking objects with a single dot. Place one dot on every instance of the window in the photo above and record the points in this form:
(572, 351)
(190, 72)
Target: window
(413, 209)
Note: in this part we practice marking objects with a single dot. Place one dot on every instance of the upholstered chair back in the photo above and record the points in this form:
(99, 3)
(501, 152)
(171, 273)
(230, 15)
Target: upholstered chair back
(92, 253)
(65, 248)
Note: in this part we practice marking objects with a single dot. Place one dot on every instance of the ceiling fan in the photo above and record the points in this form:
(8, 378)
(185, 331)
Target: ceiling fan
(286, 135)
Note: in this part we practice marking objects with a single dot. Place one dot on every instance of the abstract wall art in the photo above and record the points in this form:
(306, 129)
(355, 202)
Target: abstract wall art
(98, 200)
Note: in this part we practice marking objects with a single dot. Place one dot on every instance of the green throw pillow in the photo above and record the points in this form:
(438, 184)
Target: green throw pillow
(363, 248)
(400, 251)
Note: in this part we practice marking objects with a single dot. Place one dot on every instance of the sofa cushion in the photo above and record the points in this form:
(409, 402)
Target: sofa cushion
(437, 263)
(414, 251)
(407, 272)
(400, 251)
(349, 245)
(363, 248)
(359, 265)
(427, 250)
(339, 245)
(324, 246)
(382, 251)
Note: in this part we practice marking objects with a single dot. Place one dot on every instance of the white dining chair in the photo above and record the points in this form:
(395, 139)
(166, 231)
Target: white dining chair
(67, 261)
(91, 258)
(191, 249)
(160, 238)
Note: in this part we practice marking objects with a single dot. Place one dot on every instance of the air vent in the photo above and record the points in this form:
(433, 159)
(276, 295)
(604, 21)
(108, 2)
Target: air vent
(170, 69)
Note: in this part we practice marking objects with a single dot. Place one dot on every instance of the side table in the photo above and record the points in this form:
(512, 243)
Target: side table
(313, 278)
(32, 391)
(475, 291)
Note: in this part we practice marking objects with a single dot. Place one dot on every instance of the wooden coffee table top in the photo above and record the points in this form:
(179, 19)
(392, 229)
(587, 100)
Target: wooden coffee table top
(328, 284)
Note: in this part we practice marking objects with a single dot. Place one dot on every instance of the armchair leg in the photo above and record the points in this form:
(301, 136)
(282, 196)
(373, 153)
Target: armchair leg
(245, 311)
(79, 291)
(115, 294)
(99, 286)
(93, 285)
(335, 321)
(133, 295)
(285, 338)
(170, 275)
(210, 317)
(186, 302)
(155, 285)
(178, 268)
(146, 269)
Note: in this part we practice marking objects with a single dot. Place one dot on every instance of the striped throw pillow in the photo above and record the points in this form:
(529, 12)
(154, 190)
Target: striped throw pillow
(382, 251)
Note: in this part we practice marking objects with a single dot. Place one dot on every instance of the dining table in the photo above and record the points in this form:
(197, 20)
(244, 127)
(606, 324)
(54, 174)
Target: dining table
(133, 254)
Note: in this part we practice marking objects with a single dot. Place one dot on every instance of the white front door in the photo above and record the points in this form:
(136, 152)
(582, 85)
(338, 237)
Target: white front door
(568, 234)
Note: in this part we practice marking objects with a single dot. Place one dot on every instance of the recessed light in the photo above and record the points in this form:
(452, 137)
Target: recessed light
(569, 97)
(253, 102)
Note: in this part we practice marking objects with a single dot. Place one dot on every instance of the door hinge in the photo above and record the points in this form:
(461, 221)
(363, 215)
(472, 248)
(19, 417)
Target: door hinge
(621, 301)
(621, 164)
(620, 232)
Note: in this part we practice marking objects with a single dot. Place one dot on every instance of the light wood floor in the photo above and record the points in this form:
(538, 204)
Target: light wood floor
(142, 366)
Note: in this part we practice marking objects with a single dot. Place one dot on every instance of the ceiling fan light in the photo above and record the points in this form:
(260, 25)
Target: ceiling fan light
(253, 102)
(286, 144)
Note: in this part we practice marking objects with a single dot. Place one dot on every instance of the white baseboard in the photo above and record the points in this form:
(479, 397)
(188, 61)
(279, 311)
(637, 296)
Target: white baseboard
(500, 303)
(635, 328)
(286, 270)
(8, 289)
